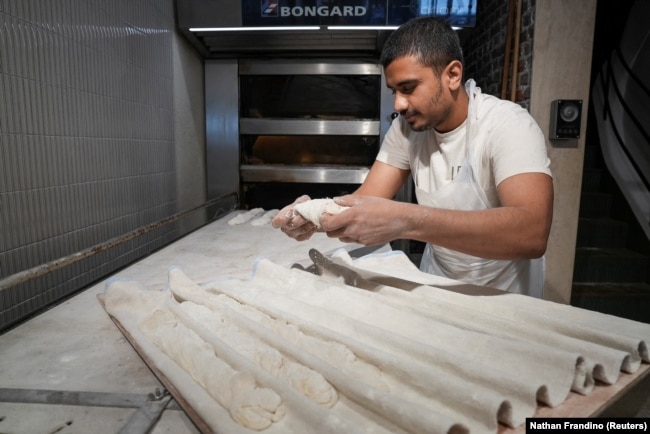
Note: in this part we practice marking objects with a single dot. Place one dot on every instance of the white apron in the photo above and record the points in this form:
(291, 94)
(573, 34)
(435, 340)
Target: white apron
(465, 193)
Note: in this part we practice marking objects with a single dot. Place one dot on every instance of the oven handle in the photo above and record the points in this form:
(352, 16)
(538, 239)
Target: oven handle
(304, 174)
(256, 126)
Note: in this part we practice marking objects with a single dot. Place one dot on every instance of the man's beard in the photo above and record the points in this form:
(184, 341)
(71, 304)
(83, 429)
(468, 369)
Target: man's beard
(432, 123)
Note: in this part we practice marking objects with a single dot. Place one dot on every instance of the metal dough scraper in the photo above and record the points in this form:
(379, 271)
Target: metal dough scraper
(372, 281)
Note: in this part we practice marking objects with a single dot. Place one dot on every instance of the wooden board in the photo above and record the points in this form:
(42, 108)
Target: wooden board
(602, 398)
(187, 408)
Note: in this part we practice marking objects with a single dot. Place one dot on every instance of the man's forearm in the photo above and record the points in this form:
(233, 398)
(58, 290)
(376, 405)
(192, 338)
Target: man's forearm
(498, 233)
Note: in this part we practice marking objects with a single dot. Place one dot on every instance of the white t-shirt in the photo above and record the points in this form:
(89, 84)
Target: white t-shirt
(506, 139)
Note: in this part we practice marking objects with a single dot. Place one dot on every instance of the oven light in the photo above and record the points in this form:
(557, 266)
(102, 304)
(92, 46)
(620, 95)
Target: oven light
(370, 28)
(362, 27)
(252, 29)
(249, 29)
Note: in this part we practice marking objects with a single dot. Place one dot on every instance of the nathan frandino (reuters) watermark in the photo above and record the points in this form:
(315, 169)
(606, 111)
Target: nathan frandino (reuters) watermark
(595, 425)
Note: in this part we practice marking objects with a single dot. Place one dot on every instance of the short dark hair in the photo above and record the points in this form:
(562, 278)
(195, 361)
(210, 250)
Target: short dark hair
(430, 39)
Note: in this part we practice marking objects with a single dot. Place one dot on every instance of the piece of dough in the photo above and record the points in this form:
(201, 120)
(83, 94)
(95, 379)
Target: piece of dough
(313, 209)
(266, 218)
(246, 216)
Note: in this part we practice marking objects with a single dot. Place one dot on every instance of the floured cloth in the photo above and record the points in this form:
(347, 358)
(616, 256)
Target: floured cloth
(423, 360)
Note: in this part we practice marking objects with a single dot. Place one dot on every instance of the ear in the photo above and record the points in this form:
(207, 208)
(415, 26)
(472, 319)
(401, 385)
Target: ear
(454, 74)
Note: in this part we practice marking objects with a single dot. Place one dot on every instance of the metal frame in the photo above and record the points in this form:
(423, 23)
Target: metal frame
(306, 174)
(308, 67)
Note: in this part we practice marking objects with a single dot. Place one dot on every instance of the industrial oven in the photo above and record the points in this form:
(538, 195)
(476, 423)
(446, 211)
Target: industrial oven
(291, 109)
(293, 126)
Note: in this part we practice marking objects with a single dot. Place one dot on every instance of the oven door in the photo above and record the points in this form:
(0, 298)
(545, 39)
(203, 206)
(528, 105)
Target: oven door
(280, 128)
(306, 127)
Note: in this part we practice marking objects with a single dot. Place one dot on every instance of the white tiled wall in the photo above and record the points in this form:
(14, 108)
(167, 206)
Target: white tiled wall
(86, 139)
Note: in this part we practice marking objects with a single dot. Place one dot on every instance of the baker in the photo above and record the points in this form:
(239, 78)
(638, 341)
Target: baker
(479, 164)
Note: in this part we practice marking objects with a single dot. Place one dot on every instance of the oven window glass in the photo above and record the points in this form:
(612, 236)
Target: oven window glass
(270, 195)
(310, 96)
(310, 150)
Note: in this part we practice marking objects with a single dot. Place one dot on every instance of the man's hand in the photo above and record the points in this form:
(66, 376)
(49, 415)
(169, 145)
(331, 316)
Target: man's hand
(292, 223)
(369, 220)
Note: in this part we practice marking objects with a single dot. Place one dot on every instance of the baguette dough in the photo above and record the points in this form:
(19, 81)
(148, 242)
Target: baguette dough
(313, 209)
(251, 406)
(449, 362)
(333, 352)
(306, 380)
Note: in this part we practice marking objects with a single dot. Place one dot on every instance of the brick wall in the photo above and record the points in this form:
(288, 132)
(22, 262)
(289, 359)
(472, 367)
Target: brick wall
(484, 49)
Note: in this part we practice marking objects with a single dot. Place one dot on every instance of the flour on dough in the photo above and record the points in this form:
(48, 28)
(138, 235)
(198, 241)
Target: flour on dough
(313, 209)
(266, 218)
(246, 216)
(251, 406)
(309, 382)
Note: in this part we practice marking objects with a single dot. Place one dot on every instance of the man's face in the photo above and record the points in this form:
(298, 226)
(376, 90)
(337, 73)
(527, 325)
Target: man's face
(421, 97)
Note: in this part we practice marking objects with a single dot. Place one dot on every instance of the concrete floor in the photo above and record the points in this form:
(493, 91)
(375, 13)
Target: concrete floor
(75, 347)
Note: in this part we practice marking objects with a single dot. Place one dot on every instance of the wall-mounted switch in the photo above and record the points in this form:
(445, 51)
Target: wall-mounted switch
(566, 115)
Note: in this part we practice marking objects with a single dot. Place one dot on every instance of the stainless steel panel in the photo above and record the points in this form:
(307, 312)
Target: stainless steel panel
(306, 174)
(308, 127)
(208, 13)
(222, 127)
(214, 44)
(308, 67)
